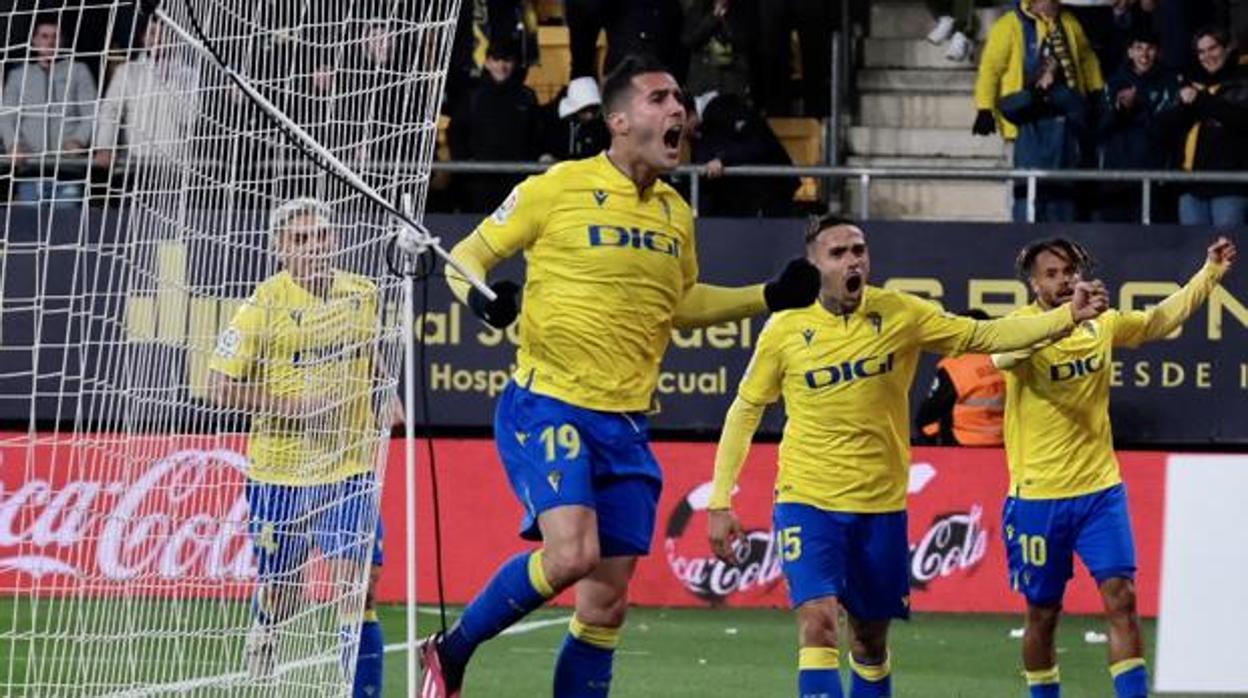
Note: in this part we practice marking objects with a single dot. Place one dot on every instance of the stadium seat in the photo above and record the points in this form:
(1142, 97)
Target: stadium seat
(554, 68)
(803, 138)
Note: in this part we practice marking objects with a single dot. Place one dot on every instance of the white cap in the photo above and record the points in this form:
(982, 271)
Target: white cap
(582, 92)
(704, 99)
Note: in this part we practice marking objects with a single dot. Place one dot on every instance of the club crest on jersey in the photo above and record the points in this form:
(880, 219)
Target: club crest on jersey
(229, 342)
(505, 209)
(636, 238)
(848, 371)
(296, 316)
(1078, 368)
(600, 197)
(808, 334)
(554, 477)
(667, 209)
(876, 320)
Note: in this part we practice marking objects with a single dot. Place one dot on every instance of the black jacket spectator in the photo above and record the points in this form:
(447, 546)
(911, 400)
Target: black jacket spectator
(721, 35)
(1212, 130)
(576, 129)
(499, 119)
(1128, 127)
(732, 133)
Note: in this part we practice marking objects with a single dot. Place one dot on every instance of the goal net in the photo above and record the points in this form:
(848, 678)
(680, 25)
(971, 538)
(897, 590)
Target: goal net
(201, 340)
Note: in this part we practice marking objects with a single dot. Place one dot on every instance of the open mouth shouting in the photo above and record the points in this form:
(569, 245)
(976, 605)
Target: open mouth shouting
(671, 139)
(853, 282)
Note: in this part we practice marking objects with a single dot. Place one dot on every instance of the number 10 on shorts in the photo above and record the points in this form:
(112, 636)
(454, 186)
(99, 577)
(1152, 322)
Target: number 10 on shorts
(1035, 550)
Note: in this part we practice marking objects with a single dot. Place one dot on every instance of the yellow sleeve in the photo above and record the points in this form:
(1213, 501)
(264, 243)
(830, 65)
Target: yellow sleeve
(705, 304)
(992, 64)
(238, 347)
(734, 445)
(951, 335)
(1134, 327)
(1089, 66)
(474, 255)
(516, 223)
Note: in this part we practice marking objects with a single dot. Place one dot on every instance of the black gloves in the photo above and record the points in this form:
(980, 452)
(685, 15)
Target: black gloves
(796, 287)
(985, 124)
(501, 311)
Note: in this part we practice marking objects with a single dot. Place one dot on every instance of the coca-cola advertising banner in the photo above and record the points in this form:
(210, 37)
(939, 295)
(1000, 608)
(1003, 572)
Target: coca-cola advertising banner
(164, 515)
(173, 301)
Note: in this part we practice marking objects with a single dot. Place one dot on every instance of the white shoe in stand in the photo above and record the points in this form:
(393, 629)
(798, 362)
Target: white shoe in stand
(942, 31)
(959, 48)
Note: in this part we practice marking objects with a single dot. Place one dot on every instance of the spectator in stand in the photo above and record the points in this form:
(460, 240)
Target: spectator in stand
(1097, 17)
(1210, 121)
(814, 22)
(966, 405)
(1038, 71)
(1129, 131)
(480, 22)
(150, 106)
(721, 35)
(955, 25)
(577, 130)
(643, 27)
(498, 120)
(48, 110)
(727, 132)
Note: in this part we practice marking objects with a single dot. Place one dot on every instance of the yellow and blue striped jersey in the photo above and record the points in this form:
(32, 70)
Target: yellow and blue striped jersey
(298, 345)
(1057, 429)
(845, 381)
(606, 267)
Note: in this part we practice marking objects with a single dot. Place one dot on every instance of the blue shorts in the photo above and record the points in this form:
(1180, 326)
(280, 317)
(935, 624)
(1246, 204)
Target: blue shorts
(557, 454)
(1042, 537)
(861, 559)
(338, 518)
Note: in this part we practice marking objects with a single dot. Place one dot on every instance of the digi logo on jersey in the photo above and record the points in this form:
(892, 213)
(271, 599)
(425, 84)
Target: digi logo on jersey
(636, 238)
(1069, 370)
(847, 371)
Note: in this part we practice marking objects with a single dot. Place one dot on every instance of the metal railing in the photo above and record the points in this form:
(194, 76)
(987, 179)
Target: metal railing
(865, 176)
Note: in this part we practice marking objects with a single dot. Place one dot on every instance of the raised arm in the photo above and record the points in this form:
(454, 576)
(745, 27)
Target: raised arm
(796, 286)
(1134, 327)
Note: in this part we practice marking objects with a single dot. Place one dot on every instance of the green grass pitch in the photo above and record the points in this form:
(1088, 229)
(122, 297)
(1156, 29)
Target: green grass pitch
(680, 653)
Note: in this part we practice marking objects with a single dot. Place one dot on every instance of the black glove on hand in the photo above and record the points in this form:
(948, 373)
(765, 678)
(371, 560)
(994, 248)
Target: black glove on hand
(985, 124)
(501, 311)
(796, 287)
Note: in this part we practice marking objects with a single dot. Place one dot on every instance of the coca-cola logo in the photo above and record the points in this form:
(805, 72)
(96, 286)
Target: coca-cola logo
(757, 563)
(184, 516)
(954, 542)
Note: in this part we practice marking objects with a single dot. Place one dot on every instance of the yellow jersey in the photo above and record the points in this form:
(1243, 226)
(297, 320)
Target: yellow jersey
(296, 344)
(1057, 430)
(845, 381)
(606, 267)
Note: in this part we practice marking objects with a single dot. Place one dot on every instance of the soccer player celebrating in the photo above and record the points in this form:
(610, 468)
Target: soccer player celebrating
(298, 356)
(844, 366)
(612, 267)
(1066, 492)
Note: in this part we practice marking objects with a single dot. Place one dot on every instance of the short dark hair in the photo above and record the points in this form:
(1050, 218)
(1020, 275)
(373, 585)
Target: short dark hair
(818, 224)
(975, 314)
(619, 82)
(1219, 34)
(1071, 250)
(45, 18)
(1144, 35)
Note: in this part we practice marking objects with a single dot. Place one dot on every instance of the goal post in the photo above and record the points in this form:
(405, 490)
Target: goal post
(171, 347)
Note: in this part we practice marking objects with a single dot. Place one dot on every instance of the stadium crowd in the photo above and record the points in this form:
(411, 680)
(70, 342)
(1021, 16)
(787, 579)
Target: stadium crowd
(1069, 84)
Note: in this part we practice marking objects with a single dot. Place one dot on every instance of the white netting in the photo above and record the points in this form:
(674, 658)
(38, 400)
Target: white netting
(142, 184)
